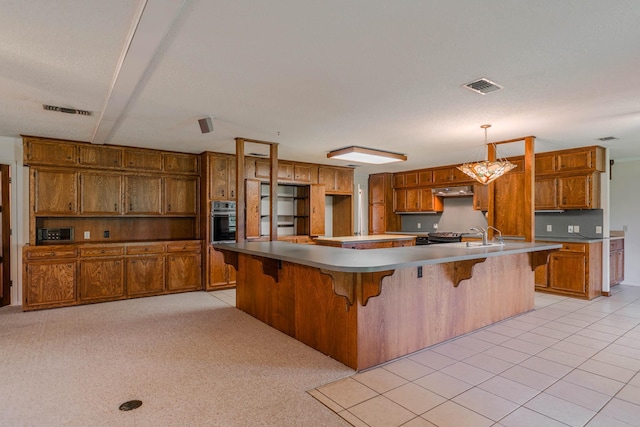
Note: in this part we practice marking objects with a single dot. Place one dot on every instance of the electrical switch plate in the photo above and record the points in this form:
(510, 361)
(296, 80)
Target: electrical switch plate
(598, 229)
(87, 234)
(576, 228)
(549, 227)
(570, 229)
(419, 225)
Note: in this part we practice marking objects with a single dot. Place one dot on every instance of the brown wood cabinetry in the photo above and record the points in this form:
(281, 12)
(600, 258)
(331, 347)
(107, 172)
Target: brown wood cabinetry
(101, 277)
(184, 267)
(50, 277)
(222, 177)
(449, 175)
(584, 159)
(481, 197)
(180, 163)
(316, 209)
(416, 200)
(100, 193)
(576, 270)
(336, 180)
(144, 160)
(180, 196)
(546, 193)
(99, 156)
(145, 275)
(546, 163)
(143, 194)
(579, 192)
(221, 275)
(382, 217)
(55, 192)
(49, 152)
(616, 261)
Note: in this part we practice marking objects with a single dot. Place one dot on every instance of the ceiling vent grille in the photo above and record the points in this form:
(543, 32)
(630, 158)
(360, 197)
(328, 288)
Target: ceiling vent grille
(607, 138)
(483, 86)
(66, 110)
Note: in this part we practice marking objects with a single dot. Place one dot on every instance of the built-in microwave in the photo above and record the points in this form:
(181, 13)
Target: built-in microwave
(223, 221)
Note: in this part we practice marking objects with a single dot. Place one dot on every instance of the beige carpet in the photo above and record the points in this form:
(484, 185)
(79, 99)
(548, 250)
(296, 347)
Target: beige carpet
(192, 359)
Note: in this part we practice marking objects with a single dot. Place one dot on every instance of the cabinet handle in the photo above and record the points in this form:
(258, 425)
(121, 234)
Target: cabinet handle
(115, 207)
(232, 195)
(222, 192)
(169, 207)
(130, 207)
(70, 206)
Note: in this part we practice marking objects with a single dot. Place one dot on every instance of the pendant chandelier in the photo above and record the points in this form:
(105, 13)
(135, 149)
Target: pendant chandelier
(486, 171)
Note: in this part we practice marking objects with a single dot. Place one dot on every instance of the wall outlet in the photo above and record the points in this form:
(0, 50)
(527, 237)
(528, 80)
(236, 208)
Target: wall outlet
(570, 229)
(576, 228)
(598, 229)
(87, 234)
(419, 225)
(549, 227)
(106, 234)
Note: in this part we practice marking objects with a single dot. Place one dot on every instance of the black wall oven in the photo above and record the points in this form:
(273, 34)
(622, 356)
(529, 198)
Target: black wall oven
(223, 221)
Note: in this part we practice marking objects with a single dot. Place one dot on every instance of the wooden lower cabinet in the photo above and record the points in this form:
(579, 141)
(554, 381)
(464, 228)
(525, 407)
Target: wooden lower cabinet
(616, 261)
(64, 275)
(221, 275)
(101, 280)
(574, 270)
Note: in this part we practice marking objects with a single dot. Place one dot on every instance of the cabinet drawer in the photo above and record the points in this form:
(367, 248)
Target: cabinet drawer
(105, 251)
(574, 247)
(51, 253)
(145, 249)
(183, 247)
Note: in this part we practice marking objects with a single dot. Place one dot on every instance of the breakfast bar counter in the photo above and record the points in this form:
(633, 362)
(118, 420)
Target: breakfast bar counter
(365, 308)
(374, 241)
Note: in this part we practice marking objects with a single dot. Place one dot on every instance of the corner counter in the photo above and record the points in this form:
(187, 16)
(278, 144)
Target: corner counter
(365, 308)
(375, 241)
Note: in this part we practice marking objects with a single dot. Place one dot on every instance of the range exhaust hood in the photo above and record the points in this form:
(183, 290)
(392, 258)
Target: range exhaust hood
(460, 191)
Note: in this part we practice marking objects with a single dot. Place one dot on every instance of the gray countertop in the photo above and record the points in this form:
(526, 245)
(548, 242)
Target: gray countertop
(371, 260)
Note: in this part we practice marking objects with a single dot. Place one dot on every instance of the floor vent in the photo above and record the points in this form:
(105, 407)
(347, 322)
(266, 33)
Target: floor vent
(483, 86)
(66, 110)
(130, 405)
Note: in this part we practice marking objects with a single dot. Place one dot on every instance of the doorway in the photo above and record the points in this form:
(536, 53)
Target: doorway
(5, 236)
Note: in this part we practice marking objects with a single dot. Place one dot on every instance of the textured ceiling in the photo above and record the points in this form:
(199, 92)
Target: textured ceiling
(316, 76)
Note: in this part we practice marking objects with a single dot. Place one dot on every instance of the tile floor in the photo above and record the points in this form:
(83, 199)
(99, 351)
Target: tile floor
(568, 362)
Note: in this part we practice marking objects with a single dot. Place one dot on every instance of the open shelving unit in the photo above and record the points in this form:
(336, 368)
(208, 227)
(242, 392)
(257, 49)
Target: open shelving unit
(293, 209)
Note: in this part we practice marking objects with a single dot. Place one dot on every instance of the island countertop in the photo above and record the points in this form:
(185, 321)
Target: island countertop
(367, 238)
(373, 260)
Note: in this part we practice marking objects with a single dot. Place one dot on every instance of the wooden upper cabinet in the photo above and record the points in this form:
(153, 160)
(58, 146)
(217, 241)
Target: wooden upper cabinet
(147, 160)
(143, 195)
(400, 200)
(317, 210)
(253, 199)
(585, 159)
(49, 152)
(481, 197)
(425, 177)
(546, 194)
(405, 179)
(100, 193)
(181, 163)
(180, 196)
(449, 175)
(545, 163)
(263, 169)
(285, 171)
(222, 177)
(376, 189)
(99, 156)
(54, 191)
(579, 192)
(302, 173)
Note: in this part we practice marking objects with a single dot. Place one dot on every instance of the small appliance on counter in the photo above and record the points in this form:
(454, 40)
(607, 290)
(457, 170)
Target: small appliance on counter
(54, 235)
(436, 237)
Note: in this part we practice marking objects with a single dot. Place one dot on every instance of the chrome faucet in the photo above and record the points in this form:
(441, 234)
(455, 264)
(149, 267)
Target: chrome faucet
(499, 238)
(482, 231)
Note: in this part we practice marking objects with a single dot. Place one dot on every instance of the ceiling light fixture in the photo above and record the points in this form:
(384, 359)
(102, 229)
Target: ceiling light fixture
(486, 171)
(366, 155)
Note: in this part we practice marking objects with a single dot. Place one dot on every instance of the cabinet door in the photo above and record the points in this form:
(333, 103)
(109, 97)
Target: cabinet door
(540, 277)
(55, 192)
(143, 159)
(400, 200)
(100, 193)
(377, 219)
(143, 195)
(574, 192)
(181, 163)
(317, 211)
(50, 283)
(509, 208)
(425, 177)
(481, 197)
(567, 272)
(252, 195)
(619, 266)
(285, 171)
(49, 152)
(545, 163)
(376, 189)
(145, 275)
(101, 279)
(412, 199)
(546, 196)
(100, 156)
(302, 173)
(344, 181)
(429, 202)
(219, 178)
(263, 169)
(180, 196)
(327, 176)
(231, 178)
(580, 160)
(442, 176)
(184, 271)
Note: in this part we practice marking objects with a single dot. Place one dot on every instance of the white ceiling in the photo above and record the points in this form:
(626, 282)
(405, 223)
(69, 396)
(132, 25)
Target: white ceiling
(319, 75)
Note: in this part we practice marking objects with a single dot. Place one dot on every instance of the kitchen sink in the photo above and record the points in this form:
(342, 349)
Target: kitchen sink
(472, 245)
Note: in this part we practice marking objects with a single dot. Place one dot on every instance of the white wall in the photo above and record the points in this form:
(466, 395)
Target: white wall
(624, 204)
(11, 154)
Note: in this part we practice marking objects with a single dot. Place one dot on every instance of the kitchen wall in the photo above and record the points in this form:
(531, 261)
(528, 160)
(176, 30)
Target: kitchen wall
(458, 215)
(587, 220)
(624, 207)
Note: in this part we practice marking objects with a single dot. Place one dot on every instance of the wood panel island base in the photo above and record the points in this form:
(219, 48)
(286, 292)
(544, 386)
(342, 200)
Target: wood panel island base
(365, 308)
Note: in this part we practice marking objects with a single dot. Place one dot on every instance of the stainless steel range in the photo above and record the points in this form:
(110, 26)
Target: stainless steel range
(439, 237)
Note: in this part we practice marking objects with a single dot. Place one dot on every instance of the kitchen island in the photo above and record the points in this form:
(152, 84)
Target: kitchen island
(365, 308)
(374, 241)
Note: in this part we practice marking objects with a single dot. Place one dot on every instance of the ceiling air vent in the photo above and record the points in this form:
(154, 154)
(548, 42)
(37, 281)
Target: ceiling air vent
(483, 86)
(66, 110)
(607, 138)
